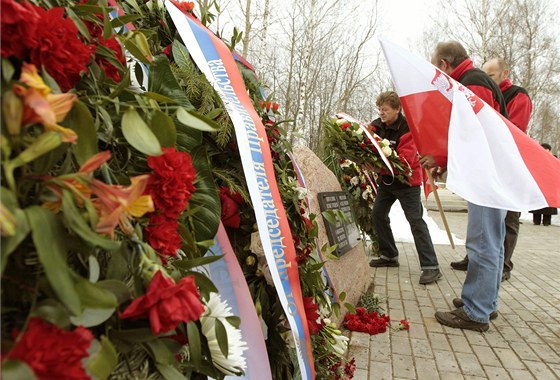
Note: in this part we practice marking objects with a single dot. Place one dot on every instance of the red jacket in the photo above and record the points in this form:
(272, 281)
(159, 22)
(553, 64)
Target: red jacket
(518, 104)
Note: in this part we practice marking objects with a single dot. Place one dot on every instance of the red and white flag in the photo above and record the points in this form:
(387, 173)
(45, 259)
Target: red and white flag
(490, 162)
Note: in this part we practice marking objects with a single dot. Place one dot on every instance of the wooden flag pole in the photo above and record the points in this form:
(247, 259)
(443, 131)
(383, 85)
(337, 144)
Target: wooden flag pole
(440, 208)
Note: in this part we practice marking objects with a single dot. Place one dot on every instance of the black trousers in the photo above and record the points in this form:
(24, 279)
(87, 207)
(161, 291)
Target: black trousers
(512, 232)
(409, 199)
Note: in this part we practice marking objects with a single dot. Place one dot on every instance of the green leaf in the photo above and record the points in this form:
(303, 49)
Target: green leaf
(44, 143)
(78, 224)
(169, 372)
(197, 121)
(82, 28)
(131, 46)
(125, 83)
(92, 317)
(107, 27)
(162, 81)
(8, 69)
(94, 296)
(102, 362)
(163, 127)
(52, 311)
(118, 288)
(233, 320)
(49, 238)
(221, 337)
(159, 98)
(10, 243)
(139, 135)
(181, 55)
(195, 347)
(214, 113)
(204, 283)
(160, 352)
(329, 217)
(16, 370)
(94, 269)
(123, 20)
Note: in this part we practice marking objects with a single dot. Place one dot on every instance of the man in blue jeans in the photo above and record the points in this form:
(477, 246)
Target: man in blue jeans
(486, 228)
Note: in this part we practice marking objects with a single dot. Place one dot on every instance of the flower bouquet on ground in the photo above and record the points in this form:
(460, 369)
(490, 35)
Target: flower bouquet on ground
(349, 140)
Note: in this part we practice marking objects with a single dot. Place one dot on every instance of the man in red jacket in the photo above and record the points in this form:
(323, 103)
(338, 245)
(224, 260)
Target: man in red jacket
(519, 108)
(485, 227)
(392, 125)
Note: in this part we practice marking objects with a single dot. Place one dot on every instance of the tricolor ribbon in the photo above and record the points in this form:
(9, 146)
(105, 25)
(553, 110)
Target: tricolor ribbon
(215, 60)
(228, 277)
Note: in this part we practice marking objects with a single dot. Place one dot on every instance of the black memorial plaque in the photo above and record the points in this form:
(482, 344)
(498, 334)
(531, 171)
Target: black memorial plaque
(344, 234)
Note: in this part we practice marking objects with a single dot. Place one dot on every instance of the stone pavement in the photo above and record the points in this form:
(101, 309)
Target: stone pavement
(522, 343)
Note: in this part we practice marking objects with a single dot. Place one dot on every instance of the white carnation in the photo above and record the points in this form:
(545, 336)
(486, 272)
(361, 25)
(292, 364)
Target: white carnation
(387, 151)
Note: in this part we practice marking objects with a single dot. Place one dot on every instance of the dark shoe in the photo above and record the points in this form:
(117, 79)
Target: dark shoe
(458, 302)
(429, 275)
(506, 276)
(460, 265)
(378, 263)
(458, 319)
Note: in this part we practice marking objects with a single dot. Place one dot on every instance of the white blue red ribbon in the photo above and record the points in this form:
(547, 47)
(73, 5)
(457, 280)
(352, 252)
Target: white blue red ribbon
(216, 61)
(228, 277)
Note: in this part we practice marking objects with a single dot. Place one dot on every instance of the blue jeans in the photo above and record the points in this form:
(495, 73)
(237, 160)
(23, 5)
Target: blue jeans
(485, 248)
(409, 198)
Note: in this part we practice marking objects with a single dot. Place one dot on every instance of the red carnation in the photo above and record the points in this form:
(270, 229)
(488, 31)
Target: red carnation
(312, 314)
(167, 304)
(184, 6)
(96, 32)
(171, 184)
(51, 352)
(59, 50)
(162, 235)
(19, 27)
(230, 207)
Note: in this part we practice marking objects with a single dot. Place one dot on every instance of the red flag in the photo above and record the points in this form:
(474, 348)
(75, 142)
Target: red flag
(490, 162)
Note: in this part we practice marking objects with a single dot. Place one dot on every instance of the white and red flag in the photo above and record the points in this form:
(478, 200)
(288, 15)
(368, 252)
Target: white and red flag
(490, 162)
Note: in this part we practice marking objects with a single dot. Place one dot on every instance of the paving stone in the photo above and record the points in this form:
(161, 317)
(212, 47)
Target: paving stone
(486, 356)
(545, 353)
(524, 351)
(509, 358)
(446, 362)
(361, 355)
(540, 370)
(403, 366)
(417, 331)
(439, 342)
(469, 364)
(361, 374)
(401, 345)
(497, 373)
(460, 344)
(426, 369)
(380, 370)
(359, 339)
(519, 374)
(421, 348)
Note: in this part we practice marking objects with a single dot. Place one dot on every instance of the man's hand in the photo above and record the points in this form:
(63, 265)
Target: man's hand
(428, 162)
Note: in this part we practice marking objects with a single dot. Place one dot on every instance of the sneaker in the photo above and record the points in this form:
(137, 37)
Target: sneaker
(458, 302)
(429, 275)
(506, 276)
(458, 319)
(460, 265)
(378, 263)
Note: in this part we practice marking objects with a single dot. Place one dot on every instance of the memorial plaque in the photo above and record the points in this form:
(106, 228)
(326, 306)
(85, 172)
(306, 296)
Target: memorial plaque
(344, 234)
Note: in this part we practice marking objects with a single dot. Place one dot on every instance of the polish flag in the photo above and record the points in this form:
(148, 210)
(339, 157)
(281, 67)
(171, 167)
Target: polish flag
(490, 162)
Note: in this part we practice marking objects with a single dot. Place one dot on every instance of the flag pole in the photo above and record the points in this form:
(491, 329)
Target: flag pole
(440, 208)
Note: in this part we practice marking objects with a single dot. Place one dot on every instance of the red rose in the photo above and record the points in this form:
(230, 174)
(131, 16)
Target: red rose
(167, 304)
(18, 30)
(162, 235)
(171, 185)
(59, 49)
(230, 207)
(51, 352)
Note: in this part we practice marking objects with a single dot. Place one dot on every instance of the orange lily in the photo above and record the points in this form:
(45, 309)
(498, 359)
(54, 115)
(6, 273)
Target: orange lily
(41, 106)
(78, 183)
(119, 204)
